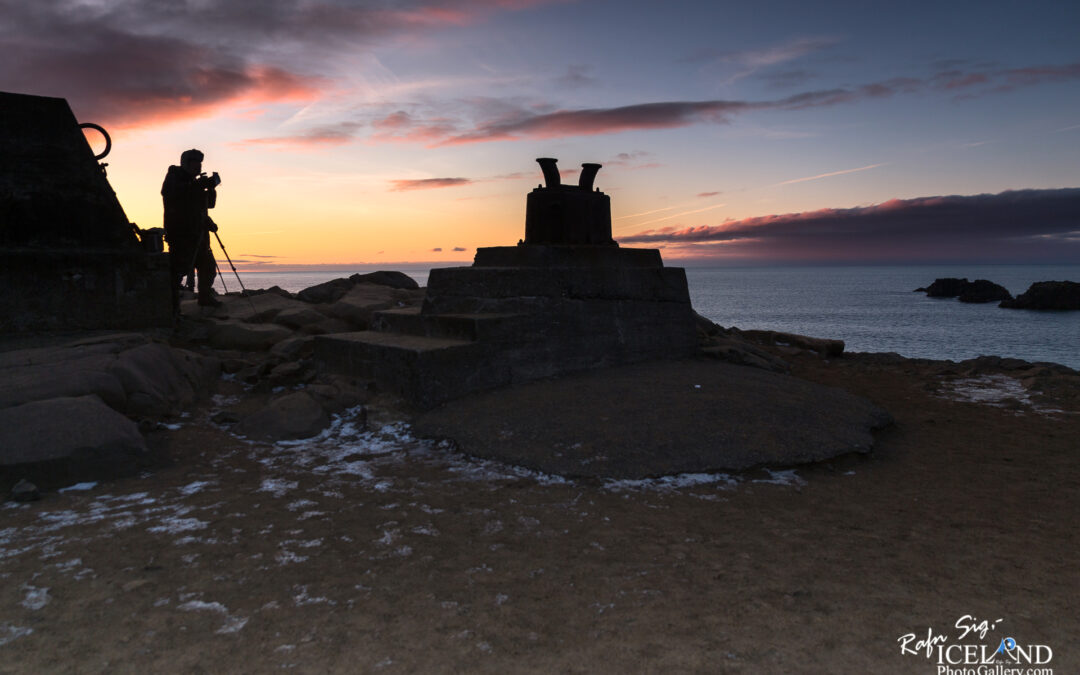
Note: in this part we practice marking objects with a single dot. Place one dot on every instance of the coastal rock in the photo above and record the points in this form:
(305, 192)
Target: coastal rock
(605, 424)
(158, 379)
(258, 308)
(741, 352)
(824, 347)
(983, 290)
(136, 377)
(1047, 295)
(79, 430)
(327, 325)
(706, 327)
(293, 416)
(294, 347)
(384, 278)
(363, 300)
(247, 336)
(69, 378)
(335, 289)
(25, 491)
(328, 291)
(297, 317)
(948, 287)
(336, 393)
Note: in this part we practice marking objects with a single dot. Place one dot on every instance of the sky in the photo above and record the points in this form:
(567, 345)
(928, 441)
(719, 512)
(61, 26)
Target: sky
(406, 131)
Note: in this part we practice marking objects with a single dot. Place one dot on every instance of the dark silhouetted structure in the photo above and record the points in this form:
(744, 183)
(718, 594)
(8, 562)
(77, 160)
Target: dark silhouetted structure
(568, 214)
(69, 258)
(566, 298)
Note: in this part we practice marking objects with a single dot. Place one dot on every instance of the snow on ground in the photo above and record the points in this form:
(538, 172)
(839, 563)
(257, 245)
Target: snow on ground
(1000, 391)
(311, 478)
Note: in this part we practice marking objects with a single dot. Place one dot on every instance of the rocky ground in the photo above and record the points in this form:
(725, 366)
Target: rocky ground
(291, 519)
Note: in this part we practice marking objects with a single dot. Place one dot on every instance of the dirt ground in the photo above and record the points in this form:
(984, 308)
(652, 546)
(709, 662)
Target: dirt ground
(368, 551)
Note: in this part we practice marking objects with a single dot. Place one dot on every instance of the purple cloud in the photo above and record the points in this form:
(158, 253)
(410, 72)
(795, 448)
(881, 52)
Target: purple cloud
(1016, 225)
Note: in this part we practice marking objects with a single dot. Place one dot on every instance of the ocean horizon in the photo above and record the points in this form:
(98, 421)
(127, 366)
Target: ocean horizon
(872, 308)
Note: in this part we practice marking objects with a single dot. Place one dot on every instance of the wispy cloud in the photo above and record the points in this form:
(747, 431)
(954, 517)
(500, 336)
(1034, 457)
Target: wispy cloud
(1016, 225)
(828, 175)
(403, 185)
(127, 63)
(730, 66)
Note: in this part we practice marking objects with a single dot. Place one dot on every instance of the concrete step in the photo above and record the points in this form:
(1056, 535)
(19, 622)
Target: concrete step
(489, 327)
(423, 370)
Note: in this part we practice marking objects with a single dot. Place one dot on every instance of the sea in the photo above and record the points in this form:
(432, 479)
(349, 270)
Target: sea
(870, 308)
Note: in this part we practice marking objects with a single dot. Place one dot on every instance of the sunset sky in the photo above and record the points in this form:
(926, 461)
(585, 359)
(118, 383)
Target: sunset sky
(385, 131)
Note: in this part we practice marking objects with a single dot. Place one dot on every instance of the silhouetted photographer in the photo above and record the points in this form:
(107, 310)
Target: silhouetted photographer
(187, 194)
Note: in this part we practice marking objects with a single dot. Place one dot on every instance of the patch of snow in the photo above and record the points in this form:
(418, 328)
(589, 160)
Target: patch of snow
(36, 598)
(172, 427)
(232, 624)
(785, 477)
(300, 503)
(192, 488)
(666, 483)
(278, 486)
(310, 543)
(200, 606)
(78, 487)
(302, 597)
(285, 557)
(8, 632)
(174, 525)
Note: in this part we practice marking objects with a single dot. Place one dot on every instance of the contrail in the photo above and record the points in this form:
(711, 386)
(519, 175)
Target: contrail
(682, 213)
(827, 175)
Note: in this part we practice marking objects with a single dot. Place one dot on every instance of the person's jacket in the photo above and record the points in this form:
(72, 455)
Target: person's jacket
(185, 205)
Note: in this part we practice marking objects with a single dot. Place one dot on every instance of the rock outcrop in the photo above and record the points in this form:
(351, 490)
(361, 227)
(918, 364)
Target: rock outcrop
(68, 411)
(1047, 295)
(949, 287)
(80, 435)
(982, 290)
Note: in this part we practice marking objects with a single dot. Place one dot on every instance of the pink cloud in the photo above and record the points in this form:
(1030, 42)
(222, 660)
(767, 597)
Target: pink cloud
(402, 185)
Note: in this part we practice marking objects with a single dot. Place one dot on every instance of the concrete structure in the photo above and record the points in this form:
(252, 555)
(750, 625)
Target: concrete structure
(567, 298)
(69, 258)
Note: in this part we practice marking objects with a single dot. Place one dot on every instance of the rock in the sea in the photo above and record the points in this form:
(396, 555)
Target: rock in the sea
(949, 287)
(81, 431)
(982, 290)
(1047, 295)
(293, 416)
(25, 491)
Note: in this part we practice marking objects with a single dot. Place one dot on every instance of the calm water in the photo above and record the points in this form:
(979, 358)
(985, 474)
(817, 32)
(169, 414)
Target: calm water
(872, 309)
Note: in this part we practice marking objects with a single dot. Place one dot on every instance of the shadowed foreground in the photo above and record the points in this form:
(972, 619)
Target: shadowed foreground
(372, 552)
